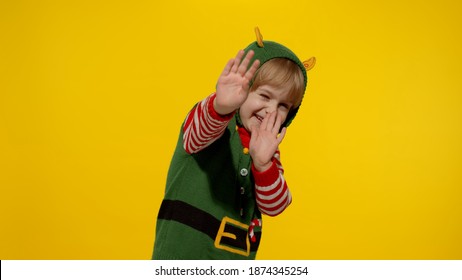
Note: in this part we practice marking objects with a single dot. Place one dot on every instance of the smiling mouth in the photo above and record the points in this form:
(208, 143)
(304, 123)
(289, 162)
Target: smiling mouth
(260, 119)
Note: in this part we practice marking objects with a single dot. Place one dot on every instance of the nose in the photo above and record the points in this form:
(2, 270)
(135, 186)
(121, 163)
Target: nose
(271, 107)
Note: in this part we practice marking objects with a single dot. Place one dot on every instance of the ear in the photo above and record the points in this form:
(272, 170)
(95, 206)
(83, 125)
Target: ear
(259, 37)
(309, 64)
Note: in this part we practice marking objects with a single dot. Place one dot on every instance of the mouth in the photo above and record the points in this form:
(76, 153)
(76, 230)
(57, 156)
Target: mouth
(260, 119)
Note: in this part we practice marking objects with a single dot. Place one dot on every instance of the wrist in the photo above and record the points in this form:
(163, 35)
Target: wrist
(213, 112)
(262, 167)
(220, 109)
(267, 177)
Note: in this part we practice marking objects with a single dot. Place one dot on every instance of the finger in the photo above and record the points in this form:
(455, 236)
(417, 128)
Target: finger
(245, 85)
(253, 133)
(237, 61)
(277, 124)
(228, 67)
(282, 135)
(264, 123)
(251, 72)
(245, 62)
(271, 119)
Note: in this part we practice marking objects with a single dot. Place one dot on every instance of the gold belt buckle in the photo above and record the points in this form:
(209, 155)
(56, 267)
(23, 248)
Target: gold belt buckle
(221, 232)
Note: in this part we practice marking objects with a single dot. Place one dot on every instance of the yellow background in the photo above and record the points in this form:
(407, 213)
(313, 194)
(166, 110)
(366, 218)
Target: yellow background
(92, 95)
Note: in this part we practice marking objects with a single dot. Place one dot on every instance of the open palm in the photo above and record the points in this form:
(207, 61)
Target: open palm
(265, 140)
(233, 84)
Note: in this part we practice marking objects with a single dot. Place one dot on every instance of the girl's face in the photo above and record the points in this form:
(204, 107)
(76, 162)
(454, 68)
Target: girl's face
(262, 101)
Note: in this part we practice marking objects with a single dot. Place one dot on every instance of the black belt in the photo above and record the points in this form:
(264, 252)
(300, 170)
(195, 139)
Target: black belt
(228, 234)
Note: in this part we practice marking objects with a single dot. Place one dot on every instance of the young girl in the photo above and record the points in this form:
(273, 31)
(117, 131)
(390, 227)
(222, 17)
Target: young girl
(226, 170)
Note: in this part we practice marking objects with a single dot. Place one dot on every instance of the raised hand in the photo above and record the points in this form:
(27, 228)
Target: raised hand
(264, 141)
(233, 83)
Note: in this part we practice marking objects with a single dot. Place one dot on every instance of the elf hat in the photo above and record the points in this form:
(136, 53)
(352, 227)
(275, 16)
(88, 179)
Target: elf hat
(267, 50)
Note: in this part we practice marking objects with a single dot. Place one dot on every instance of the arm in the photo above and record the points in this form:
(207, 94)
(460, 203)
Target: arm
(208, 120)
(203, 126)
(271, 191)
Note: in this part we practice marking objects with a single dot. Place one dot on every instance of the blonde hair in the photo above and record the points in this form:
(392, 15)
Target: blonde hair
(281, 72)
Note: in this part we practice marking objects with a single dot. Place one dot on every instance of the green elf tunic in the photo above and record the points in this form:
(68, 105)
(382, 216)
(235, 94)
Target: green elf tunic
(207, 209)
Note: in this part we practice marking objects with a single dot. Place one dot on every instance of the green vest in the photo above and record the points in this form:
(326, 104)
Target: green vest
(209, 203)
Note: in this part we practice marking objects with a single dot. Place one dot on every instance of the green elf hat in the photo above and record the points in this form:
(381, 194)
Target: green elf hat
(267, 50)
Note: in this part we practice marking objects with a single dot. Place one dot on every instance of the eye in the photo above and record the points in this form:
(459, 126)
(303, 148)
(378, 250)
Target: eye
(264, 96)
(284, 106)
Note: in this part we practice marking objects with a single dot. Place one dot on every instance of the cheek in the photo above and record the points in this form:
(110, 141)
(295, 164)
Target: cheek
(283, 114)
(246, 109)
(251, 104)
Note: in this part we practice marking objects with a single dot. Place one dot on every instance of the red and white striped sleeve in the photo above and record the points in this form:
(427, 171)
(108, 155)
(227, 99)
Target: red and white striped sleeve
(271, 191)
(203, 125)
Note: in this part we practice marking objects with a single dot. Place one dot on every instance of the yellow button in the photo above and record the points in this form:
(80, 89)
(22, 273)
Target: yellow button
(245, 151)
(237, 127)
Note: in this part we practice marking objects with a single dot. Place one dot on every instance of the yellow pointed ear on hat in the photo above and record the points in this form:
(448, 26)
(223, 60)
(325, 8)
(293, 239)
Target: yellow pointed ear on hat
(309, 64)
(259, 37)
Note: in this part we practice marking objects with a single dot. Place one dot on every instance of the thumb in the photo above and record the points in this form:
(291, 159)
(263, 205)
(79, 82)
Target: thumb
(253, 130)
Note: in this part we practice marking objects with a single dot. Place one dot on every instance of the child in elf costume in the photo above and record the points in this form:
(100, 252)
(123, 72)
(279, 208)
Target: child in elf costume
(226, 170)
